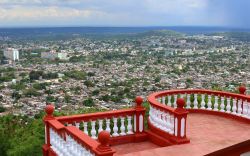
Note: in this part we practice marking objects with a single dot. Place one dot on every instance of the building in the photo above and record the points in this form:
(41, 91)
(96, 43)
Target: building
(52, 55)
(11, 53)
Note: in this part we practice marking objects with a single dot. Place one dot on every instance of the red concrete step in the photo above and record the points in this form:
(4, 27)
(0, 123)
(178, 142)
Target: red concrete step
(157, 139)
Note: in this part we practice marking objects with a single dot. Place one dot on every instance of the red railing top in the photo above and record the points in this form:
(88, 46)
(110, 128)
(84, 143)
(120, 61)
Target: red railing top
(81, 137)
(56, 125)
(152, 98)
(198, 91)
(95, 116)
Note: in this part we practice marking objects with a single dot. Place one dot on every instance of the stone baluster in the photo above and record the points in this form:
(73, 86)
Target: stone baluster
(216, 103)
(175, 100)
(108, 125)
(209, 103)
(228, 108)
(172, 124)
(245, 108)
(168, 123)
(115, 128)
(100, 126)
(77, 124)
(248, 110)
(222, 104)
(203, 101)
(85, 127)
(163, 100)
(195, 101)
(130, 125)
(159, 100)
(169, 100)
(234, 106)
(93, 130)
(239, 108)
(188, 101)
(122, 128)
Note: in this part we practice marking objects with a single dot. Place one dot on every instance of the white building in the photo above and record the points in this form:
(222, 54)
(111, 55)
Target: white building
(53, 55)
(11, 53)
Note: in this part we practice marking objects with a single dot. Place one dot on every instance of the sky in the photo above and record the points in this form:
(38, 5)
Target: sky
(39, 13)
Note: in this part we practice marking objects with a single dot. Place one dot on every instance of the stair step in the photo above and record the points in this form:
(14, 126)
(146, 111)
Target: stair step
(158, 140)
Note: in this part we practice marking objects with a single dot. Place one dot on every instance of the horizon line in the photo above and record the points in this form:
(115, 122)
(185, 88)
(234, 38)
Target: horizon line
(108, 26)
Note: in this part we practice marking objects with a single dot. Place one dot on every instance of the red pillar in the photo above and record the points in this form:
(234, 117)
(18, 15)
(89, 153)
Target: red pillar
(139, 120)
(180, 122)
(104, 149)
(49, 109)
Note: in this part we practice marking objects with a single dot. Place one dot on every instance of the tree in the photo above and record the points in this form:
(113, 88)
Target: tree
(89, 102)
(2, 109)
(35, 75)
(89, 83)
(31, 92)
(67, 98)
(96, 92)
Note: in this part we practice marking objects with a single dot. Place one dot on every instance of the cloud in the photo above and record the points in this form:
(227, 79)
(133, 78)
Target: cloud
(119, 12)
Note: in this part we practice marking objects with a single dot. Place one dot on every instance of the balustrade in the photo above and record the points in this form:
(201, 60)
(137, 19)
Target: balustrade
(232, 103)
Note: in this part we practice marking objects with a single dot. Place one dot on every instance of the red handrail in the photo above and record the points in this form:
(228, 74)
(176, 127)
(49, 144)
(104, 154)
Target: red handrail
(95, 116)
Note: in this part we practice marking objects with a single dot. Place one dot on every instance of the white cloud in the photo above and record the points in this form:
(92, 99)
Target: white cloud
(107, 12)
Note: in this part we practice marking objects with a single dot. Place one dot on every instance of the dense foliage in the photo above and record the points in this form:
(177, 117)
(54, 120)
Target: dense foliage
(23, 136)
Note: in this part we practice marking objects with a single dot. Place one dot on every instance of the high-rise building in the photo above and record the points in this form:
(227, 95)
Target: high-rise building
(11, 53)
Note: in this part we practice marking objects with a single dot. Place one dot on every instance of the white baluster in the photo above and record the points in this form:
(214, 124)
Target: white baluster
(85, 127)
(216, 103)
(108, 125)
(203, 101)
(67, 146)
(163, 100)
(159, 100)
(168, 122)
(195, 101)
(115, 129)
(234, 106)
(172, 124)
(156, 118)
(245, 108)
(175, 100)
(161, 120)
(209, 103)
(239, 110)
(188, 101)
(77, 124)
(228, 108)
(130, 124)
(93, 131)
(164, 118)
(248, 110)
(222, 104)
(100, 126)
(122, 126)
(169, 100)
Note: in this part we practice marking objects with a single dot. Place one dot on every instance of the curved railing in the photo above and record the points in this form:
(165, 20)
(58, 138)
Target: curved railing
(81, 134)
(163, 107)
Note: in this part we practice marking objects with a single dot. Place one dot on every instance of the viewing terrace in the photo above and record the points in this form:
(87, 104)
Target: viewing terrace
(178, 122)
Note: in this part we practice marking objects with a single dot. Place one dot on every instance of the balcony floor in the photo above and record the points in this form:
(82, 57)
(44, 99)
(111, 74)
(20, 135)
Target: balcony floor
(207, 133)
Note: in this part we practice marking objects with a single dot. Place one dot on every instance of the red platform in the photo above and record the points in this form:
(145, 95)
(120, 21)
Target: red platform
(208, 133)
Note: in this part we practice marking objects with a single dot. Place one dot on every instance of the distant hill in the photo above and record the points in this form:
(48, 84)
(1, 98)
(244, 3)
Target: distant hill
(166, 33)
(241, 36)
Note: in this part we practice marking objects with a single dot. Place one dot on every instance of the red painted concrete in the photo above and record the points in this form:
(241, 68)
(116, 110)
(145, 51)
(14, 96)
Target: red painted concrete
(133, 147)
(207, 133)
